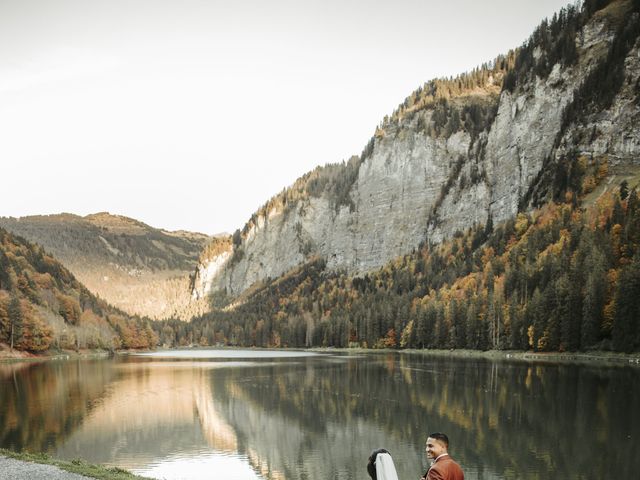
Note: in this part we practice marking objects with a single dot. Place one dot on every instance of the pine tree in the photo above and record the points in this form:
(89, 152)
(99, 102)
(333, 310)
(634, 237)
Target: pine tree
(5, 278)
(594, 299)
(626, 331)
(15, 320)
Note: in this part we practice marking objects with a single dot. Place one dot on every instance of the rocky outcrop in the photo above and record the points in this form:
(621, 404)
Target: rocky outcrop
(416, 186)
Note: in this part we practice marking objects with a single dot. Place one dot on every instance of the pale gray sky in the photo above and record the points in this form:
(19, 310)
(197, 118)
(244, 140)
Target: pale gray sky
(190, 114)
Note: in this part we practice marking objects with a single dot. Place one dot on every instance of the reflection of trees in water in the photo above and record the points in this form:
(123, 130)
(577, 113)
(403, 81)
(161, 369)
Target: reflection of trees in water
(320, 417)
(288, 436)
(42, 404)
(508, 420)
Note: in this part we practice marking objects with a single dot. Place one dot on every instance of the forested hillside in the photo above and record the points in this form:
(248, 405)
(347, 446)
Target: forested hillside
(140, 269)
(43, 306)
(560, 278)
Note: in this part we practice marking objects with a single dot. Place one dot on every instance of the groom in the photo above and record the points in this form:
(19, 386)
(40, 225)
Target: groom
(442, 467)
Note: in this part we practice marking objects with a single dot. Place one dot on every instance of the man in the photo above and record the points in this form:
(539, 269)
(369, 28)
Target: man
(442, 467)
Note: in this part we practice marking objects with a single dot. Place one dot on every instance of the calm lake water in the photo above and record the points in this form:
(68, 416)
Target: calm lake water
(232, 414)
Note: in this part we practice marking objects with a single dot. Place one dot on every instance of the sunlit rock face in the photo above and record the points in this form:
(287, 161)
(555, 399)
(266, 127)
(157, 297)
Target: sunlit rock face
(393, 195)
(398, 196)
(205, 273)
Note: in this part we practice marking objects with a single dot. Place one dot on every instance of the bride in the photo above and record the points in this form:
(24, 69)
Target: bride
(380, 466)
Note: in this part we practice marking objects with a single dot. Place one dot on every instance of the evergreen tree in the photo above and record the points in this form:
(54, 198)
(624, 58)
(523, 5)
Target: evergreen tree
(536, 312)
(5, 278)
(624, 190)
(594, 299)
(627, 317)
(15, 320)
(517, 334)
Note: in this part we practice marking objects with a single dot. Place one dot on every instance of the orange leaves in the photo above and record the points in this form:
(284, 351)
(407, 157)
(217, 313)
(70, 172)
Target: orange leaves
(388, 341)
(603, 168)
(43, 280)
(522, 224)
(487, 255)
(555, 249)
(469, 283)
(588, 184)
(36, 334)
(69, 308)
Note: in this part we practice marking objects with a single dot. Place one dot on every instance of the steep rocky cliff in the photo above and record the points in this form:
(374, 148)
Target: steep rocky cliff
(502, 146)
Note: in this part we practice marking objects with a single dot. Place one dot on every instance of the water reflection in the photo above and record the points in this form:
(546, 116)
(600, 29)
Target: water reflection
(319, 416)
(200, 467)
(227, 353)
(41, 404)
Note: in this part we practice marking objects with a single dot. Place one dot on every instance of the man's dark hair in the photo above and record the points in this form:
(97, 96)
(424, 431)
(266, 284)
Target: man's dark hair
(440, 437)
(371, 466)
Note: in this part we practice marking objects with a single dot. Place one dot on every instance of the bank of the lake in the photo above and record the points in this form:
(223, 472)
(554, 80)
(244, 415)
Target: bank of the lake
(27, 461)
(594, 357)
(9, 355)
(591, 357)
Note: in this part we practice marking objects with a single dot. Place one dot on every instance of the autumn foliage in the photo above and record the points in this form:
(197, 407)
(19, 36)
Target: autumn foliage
(42, 306)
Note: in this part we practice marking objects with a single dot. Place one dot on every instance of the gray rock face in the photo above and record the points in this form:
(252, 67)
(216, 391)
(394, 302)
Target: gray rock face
(398, 196)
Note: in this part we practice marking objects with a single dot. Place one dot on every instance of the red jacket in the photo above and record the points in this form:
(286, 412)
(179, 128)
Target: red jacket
(444, 468)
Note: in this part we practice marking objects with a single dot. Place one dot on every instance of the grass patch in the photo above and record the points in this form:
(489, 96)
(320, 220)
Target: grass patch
(630, 173)
(74, 466)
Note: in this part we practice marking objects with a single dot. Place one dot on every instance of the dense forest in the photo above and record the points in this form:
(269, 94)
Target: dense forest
(43, 306)
(561, 278)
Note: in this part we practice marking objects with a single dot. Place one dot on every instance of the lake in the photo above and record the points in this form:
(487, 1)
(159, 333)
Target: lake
(283, 415)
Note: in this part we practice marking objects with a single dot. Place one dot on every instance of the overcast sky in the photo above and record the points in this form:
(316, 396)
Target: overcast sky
(190, 114)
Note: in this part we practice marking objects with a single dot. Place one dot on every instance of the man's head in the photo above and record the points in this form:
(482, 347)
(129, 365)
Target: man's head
(437, 444)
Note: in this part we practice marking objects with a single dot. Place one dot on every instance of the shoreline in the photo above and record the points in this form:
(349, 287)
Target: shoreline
(79, 467)
(596, 357)
(7, 356)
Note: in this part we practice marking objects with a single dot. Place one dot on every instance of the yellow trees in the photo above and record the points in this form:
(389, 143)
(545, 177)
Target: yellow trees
(69, 308)
(36, 334)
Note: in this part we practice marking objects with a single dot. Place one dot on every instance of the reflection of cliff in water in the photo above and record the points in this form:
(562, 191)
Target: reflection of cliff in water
(506, 420)
(152, 411)
(286, 435)
(41, 404)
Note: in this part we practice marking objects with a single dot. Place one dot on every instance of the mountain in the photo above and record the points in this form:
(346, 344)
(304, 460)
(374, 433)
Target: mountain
(563, 277)
(477, 149)
(43, 306)
(140, 269)
(495, 210)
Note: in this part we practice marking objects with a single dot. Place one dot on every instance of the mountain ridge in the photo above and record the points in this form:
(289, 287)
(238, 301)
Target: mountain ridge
(136, 267)
(440, 164)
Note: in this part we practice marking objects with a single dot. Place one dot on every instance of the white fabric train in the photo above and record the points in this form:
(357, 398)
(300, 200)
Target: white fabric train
(385, 469)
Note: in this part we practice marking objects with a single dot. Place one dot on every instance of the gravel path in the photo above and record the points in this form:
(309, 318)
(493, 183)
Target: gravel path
(11, 469)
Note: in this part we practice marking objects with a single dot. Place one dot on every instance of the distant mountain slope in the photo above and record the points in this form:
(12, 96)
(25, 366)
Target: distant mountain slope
(140, 269)
(474, 149)
(43, 306)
